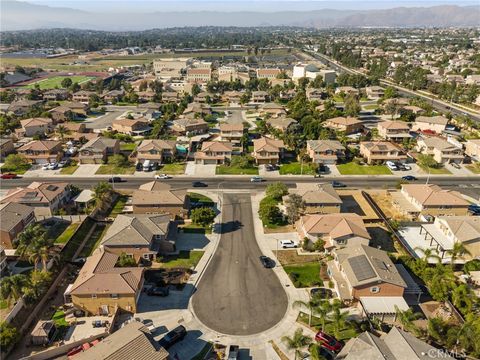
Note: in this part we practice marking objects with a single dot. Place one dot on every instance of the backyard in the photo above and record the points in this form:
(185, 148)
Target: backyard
(353, 168)
(65, 236)
(118, 205)
(296, 168)
(56, 81)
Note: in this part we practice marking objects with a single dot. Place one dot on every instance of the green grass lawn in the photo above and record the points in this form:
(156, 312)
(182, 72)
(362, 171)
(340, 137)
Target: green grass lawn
(185, 259)
(173, 169)
(67, 234)
(57, 229)
(197, 229)
(440, 170)
(17, 170)
(118, 206)
(307, 274)
(370, 107)
(128, 146)
(68, 170)
(346, 333)
(56, 81)
(233, 170)
(199, 198)
(295, 168)
(3, 304)
(352, 168)
(77, 239)
(115, 170)
(59, 318)
(475, 168)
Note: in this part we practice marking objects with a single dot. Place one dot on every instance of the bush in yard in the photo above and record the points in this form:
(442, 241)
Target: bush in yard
(118, 161)
(319, 245)
(268, 211)
(276, 190)
(15, 162)
(241, 162)
(295, 205)
(8, 335)
(294, 277)
(202, 216)
(126, 261)
(306, 244)
(427, 161)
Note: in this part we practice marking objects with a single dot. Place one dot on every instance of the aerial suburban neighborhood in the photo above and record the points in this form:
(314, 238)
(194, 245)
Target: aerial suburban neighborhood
(297, 188)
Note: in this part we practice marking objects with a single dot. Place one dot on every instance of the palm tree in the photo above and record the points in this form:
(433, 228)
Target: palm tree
(297, 342)
(102, 194)
(315, 354)
(310, 305)
(338, 317)
(40, 250)
(11, 287)
(27, 237)
(429, 254)
(322, 310)
(62, 131)
(458, 251)
(407, 318)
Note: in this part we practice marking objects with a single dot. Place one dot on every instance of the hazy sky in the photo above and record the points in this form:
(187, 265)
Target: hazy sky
(235, 5)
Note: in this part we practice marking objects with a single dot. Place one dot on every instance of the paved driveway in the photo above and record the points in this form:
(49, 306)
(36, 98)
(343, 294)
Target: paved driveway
(86, 170)
(237, 295)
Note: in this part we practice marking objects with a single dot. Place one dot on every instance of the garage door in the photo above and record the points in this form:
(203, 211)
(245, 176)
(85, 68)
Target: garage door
(42, 161)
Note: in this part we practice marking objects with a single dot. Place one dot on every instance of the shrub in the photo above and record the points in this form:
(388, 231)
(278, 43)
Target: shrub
(276, 191)
(202, 216)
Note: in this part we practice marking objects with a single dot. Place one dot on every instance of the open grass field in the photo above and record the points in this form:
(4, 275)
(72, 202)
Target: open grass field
(356, 169)
(56, 81)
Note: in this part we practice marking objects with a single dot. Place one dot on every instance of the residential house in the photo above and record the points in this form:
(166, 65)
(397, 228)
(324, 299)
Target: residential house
(432, 200)
(203, 97)
(259, 97)
(472, 148)
(349, 125)
(361, 271)
(442, 151)
(156, 197)
(78, 108)
(325, 151)
(377, 152)
(140, 236)
(113, 96)
(189, 126)
(131, 126)
(3, 261)
(375, 92)
(268, 151)
(336, 229)
(62, 113)
(35, 126)
(83, 96)
(97, 150)
(74, 130)
(472, 80)
(156, 150)
(346, 90)
(6, 147)
(281, 123)
(397, 344)
(146, 95)
(101, 288)
(42, 151)
(170, 96)
(318, 198)
(197, 108)
(232, 133)
(414, 109)
(15, 218)
(269, 74)
(45, 197)
(273, 110)
(287, 95)
(199, 75)
(56, 95)
(314, 94)
(394, 130)
(233, 97)
(132, 341)
(22, 107)
(214, 152)
(435, 124)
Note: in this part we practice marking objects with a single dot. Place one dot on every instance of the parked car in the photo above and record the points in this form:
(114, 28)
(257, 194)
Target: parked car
(256, 179)
(391, 165)
(115, 179)
(147, 166)
(409, 178)
(323, 169)
(147, 322)
(8, 176)
(288, 244)
(173, 337)
(158, 291)
(52, 166)
(45, 166)
(162, 176)
(233, 352)
(328, 341)
(267, 262)
(323, 293)
(338, 184)
(138, 166)
(474, 209)
(199, 184)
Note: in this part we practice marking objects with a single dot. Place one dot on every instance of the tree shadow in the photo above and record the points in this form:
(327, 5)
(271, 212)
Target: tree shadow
(230, 226)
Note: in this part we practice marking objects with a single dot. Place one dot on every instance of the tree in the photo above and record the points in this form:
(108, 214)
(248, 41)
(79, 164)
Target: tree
(102, 194)
(118, 160)
(458, 251)
(276, 190)
(437, 328)
(268, 211)
(126, 261)
(28, 237)
(338, 317)
(62, 131)
(427, 161)
(40, 250)
(66, 83)
(8, 335)
(11, 287)
(352, 105)
(39, 282)
(294, 207)
(309, 305)
(407, 318)
(15, 162)
(202, 216)
(463, 298)
(429, 254)
(390, 92)
(241, 162)
(322, 310)
(297, 342)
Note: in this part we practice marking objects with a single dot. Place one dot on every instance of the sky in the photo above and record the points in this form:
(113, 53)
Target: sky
(235, 5)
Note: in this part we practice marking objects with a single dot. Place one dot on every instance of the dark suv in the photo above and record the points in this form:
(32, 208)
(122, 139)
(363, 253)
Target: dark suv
(172, 337)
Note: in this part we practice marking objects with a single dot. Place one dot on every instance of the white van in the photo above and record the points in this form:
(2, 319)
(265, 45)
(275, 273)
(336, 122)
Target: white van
(146, 165)
(391, 165)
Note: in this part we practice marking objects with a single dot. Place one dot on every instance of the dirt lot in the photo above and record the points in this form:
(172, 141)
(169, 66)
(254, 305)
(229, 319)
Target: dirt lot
(383, 199)
(291, 257)
(354, 202)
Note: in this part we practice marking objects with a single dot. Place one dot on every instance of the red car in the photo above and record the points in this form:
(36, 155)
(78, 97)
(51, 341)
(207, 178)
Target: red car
(328, 342)
(9, 176)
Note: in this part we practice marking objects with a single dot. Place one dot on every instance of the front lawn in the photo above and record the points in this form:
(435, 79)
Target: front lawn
(233, 170)
(304, 275)
(295, 168)
(68, 170)
(197, 229)
(67, 234)
(128, 146)
(115, 170)
(118, 206)
(435, 171)
(201, 200)
(475, 168)
(20, 170)
(185, 259)
(173, 169)
(353, 168)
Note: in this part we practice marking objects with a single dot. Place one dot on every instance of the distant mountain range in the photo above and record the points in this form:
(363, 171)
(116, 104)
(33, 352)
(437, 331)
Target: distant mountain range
(16, 15)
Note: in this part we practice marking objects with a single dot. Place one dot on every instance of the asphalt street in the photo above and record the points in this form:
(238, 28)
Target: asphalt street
(237, 295)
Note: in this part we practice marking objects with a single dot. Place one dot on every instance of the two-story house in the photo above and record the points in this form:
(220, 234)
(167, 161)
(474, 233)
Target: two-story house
(156, 197)
(268, 151)
(317, 198)
(348, 125)
(97, 150)
(375, 92)
(273, 110)
(189, 126)
(232, 133)
(377, 152)
(281, 123)
(15, 218)
(436, 124)
(42, 151)
(214, 152)
(472, 148)
(6, 147)
(325, 151)
(442, 151)
(131, 126)
(394, 130)
(35, 126)
(315, 94)
(83, 96)
(156, 150)
(56, 95)
(259, 96)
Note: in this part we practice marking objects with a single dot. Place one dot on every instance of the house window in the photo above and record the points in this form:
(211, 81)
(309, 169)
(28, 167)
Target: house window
(94, 296)
(146, 256)
(374, 289)
(114, 296)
